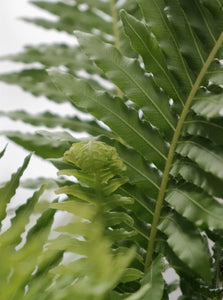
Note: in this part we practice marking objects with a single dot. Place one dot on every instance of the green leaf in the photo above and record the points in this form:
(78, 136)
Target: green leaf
(146, 45)
(60, 55)
(131, 274)
(114, 218)
(22, 216)
(52, 55)
(193, 174)
(44, 144)
(152, 282)
(202, 153)
(187, 244)
(9, 189)
(117, 200)
(156, 17)
(3, 152)
(42, 227)
(114, 114)
(139, 172)
(177, 59)
(46, 262)
(214, 75)
(35, 183)
(79, 192)
(155, 279)
(113, 185)
(199, 208)
(70, 17)
(75, 228)
(35, 81)
(206, 129)
(129, 77)
(208, 105)
(191, 47)
(95, 157)
(78, 209)
(51, 120)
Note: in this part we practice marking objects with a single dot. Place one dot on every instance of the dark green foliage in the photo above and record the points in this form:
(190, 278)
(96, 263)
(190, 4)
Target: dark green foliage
(152, 83)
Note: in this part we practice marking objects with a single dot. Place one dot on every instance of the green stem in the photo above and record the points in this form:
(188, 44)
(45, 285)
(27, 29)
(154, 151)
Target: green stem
(173, 145)
(115, 24)
(116, 33)
(99, 196)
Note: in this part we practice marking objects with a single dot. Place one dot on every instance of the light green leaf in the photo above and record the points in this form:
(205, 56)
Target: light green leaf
(89, 179)
(117, 200)
(139, 172)
(78, 209)
(75, 228)
(114, 218)
(22, 216)
(113, 185)
(42, 227)
(95, 157)
(131, 274)
(79, 192)
(9, 189)
(117, 235)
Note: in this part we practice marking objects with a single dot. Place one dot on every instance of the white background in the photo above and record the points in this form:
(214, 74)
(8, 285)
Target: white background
(14, 35)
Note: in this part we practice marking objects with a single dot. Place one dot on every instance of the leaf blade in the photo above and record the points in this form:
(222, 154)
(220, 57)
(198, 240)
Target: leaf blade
(187, 244)
(9, 189)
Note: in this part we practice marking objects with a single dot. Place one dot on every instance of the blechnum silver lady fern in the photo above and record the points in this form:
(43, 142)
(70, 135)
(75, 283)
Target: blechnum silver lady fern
(163, 111)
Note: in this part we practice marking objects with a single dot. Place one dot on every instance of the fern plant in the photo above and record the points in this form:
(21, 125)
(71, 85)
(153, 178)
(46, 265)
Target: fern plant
(152, 83)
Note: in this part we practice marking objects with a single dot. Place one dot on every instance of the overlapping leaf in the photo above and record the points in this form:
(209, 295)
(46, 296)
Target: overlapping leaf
(129, 77)
(114, 114)
(179, 45)
(187, 244)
